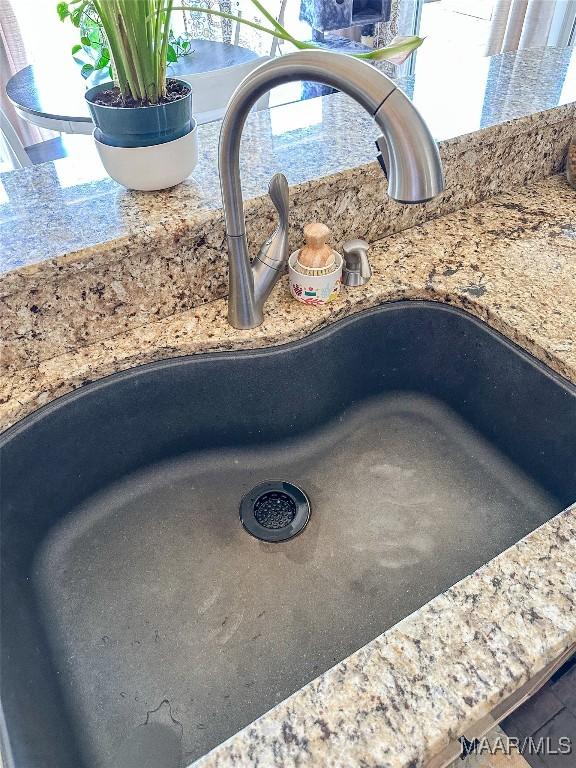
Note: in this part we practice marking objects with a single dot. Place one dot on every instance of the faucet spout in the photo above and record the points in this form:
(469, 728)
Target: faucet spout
(409, 153)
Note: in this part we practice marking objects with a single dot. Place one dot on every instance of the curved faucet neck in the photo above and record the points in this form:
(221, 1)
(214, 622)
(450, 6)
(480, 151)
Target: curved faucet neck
(363, 82)
(413, 164)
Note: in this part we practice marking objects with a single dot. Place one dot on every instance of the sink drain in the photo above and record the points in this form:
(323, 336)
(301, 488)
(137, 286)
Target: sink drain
(275, 511)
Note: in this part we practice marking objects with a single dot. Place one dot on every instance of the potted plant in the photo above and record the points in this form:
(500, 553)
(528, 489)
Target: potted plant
(144, 130)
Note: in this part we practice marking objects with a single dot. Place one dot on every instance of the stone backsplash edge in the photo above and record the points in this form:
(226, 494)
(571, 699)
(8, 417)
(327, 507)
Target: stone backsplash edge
(70, 302)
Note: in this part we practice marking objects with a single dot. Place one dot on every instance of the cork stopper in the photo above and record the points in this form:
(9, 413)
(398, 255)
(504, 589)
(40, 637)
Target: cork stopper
(316, 254)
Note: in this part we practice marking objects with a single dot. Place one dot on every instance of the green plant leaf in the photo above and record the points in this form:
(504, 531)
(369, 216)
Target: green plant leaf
(76, 48)
(76, 16)
(171, 55)
(86, 41)
(396, 52)
(63, 11)
(102, 62)
(86, 70)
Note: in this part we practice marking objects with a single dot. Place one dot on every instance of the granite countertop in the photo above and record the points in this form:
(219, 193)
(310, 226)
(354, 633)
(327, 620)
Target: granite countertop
(403, 697)
(509, 260)
(83, 260)
(70, 207)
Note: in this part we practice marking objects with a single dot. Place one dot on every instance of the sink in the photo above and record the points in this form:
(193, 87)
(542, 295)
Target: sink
(134, 600)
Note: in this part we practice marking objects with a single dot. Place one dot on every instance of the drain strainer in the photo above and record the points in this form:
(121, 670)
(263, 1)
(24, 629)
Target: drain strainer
(275, 511)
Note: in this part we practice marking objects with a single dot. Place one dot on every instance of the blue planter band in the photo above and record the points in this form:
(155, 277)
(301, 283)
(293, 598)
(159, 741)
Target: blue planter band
(141, 126)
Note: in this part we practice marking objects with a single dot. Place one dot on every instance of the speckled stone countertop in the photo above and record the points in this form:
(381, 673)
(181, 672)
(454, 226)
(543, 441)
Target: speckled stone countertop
(70, 205)
(509, 260)
(83, 260)
(404, 697)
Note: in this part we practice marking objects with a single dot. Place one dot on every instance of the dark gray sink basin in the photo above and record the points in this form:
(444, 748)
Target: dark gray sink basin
(136, 609)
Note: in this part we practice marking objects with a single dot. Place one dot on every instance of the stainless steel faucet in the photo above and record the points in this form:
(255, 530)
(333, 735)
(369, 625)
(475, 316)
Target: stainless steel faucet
(408, 154)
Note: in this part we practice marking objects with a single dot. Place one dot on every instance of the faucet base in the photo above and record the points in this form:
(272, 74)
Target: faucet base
(243, 310)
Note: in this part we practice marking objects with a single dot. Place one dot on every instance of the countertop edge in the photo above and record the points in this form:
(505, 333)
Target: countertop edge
(313, 189)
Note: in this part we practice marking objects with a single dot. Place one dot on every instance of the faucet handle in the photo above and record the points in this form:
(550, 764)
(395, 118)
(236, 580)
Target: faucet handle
(278, 191)
(357, 269)
(274, 250)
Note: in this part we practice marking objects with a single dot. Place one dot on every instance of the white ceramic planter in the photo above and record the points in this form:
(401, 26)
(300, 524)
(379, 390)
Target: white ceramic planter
(148, 169)
(315, 289)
